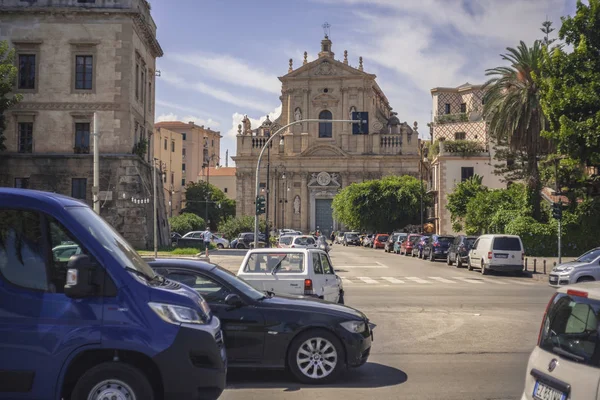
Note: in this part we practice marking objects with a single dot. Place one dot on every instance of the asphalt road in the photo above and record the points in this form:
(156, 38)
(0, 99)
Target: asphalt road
(442, 332)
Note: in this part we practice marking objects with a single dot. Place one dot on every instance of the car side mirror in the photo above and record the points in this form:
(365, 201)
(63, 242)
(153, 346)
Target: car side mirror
(233, 300)
(80, 277)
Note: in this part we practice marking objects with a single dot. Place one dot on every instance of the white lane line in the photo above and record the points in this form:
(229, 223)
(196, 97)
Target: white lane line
(437, 278)
(415, 279)
(520, 282)
(366, 279)
(468, 280)
(346, 280)
(495, 281)
(360, 266)
(392, 280)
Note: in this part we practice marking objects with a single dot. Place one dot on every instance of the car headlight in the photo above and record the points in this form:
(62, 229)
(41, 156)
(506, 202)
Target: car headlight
(177, 314)
(354, 326)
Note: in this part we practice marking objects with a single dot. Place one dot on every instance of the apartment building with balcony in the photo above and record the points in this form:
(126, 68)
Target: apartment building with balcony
(460, 148)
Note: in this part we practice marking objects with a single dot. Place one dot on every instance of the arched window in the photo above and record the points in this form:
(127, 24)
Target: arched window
(325, 128)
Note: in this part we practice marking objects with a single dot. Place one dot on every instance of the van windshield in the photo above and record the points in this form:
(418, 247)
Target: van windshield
(111, 240)
(570, 329)
(507, 244)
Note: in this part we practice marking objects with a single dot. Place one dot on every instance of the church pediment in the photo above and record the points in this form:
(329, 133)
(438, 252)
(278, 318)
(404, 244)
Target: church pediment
(326, 67)
(324, 151)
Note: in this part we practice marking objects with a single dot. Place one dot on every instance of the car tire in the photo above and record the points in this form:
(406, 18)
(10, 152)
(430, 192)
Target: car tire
(101, 381)
(220, 246)
(240, 246)
(469, 266)
(458, 262)
(448, 261)
(484, 270)
(341, 298)
(333, 351)
(431, 257)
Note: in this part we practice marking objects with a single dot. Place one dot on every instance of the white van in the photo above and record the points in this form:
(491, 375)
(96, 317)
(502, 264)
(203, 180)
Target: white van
(497, 253)
(298, 271)
(564, 364)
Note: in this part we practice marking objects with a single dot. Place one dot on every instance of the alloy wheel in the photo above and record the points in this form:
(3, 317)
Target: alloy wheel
(112, 389)
(317, 358)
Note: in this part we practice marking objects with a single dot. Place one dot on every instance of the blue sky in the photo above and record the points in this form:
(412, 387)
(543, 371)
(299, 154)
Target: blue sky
(222, 58)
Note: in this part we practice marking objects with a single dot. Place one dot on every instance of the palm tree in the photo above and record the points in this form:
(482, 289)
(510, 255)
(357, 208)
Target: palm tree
(514, 114)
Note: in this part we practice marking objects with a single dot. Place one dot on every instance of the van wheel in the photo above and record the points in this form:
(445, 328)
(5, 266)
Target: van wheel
(113, 380)
(458, 262)
(469, 266)
(484, 270)
(316, 356)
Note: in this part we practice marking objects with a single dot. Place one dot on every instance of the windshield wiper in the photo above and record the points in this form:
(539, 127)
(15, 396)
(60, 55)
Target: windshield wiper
(139, 273)
(568, 354)
(275, 268)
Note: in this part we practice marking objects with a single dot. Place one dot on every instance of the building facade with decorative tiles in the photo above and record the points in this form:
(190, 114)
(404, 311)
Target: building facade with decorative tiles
(75, 60)
(460, 148)
(311, 161)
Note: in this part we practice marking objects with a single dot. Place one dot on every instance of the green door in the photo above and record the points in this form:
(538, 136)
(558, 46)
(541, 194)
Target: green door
(324, 216)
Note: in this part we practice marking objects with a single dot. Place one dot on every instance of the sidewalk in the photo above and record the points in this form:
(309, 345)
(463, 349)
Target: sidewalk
(535, 266)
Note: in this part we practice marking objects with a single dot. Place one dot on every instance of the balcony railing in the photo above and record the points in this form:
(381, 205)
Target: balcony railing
(81, 149)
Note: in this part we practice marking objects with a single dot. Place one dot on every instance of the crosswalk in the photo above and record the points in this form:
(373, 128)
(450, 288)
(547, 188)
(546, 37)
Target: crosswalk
(399, 280)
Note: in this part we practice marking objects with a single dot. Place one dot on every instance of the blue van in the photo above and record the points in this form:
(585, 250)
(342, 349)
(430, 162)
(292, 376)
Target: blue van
(99, 324)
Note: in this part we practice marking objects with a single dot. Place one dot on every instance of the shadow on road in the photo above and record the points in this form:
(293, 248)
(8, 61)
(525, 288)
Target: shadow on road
(370, 375)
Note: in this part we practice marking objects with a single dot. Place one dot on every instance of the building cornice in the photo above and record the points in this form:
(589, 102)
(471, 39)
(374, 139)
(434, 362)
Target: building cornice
(65, 106)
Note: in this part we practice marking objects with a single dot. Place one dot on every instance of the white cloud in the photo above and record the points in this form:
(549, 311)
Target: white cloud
(218, 94)
(208, 123)
(179, 107)
(231, 70)
(237, 118)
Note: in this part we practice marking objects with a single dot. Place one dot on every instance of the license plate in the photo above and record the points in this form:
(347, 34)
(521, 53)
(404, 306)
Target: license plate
(501, 255)
(542, 391)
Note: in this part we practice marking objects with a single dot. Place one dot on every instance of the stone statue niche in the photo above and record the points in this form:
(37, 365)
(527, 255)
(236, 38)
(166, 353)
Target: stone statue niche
(297, 205)
(297, 114)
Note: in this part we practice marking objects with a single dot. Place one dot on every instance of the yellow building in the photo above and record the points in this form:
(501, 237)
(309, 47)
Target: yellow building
(168, 147)
(223, 178)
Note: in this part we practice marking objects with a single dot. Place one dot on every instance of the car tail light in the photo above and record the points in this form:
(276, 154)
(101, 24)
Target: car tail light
(436, 245)
(490, 255)
(578, 293)
(308, 286)
(522, 256)
(544, 318)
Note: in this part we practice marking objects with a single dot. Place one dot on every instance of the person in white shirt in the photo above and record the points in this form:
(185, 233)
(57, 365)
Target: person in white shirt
(207, 236)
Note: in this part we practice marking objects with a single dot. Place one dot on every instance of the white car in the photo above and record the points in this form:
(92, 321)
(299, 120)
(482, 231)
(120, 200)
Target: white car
(299, 272)
(497, 253)
(304, 241)
(564, 364)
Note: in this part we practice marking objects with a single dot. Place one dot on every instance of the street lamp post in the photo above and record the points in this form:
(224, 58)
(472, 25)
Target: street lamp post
(262, 151)
(207, 197)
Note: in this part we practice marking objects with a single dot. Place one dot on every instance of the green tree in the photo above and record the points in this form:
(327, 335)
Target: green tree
(186, 222)
(547, 29)
(8, 77)
(570, 86)
(512, 108)
(232, 227)
(204, 200)
(380, 205)
(460, 197)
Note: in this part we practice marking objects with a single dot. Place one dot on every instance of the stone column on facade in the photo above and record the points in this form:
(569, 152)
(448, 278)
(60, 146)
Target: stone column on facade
(304, 136)
(346, 114)
(304, 203)
(289, 110)
(306, 109)
(239, 203)
(289, 196)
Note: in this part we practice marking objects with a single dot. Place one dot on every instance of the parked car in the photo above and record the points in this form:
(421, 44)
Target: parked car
(267, 330)
(407, 245)
(101, 324)
(196, 239)
(304, 242)
(245, 239)
(296, 271)
(368, 241)
(339, 239)
(459, 250)
(584, 269)
(497, 253)
(437, 247)
(388, 246)
(351, 238)
(420, 246)
(285, 241)
(379, 240)
(175, 236)
(564, 363)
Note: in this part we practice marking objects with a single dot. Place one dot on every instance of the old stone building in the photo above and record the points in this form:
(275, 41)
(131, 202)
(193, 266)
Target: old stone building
(310, 162)
(77, 59)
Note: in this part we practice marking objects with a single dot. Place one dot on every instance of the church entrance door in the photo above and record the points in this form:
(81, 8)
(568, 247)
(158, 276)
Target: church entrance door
(324, 216)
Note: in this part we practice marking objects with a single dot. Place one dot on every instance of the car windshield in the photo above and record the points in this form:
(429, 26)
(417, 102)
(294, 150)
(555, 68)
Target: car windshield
(110, 239)
(352, 236)
(285, 240)
(570, 329)
(589, 256)
(383, 238)
(237, 283)
(507, 244)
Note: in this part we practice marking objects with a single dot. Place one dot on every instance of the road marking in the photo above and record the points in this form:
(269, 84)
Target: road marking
(497, 282)
(437, 278)
(415, 279)
(468, 280)
(392, 280)
(346, 280)
(342, 267)
(367, 280)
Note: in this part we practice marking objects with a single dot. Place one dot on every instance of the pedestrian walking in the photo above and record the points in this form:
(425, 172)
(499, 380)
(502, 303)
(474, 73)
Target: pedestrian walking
(207, 236)
(332, 238)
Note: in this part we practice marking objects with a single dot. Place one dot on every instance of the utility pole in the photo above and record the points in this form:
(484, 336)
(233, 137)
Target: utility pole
(268, 196)
(421, 180)
(154, 208)
(557, 191)
(96, 187)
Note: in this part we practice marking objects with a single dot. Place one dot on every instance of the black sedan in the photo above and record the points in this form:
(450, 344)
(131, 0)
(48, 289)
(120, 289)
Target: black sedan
(315, 339)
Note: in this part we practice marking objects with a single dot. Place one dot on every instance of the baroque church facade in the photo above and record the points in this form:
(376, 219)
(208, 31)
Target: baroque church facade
(310, 162)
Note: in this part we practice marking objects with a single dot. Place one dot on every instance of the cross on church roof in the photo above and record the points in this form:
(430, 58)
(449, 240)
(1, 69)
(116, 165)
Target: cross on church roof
(326, 27)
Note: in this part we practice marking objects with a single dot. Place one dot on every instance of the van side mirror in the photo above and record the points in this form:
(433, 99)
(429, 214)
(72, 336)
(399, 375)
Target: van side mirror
(80, 277)
(233, 300)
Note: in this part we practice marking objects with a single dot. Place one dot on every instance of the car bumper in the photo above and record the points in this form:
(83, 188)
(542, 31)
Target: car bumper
(354, 243)
(556, 281)
(194, 367)
(440, 254)
(358, 347)
(505, 267)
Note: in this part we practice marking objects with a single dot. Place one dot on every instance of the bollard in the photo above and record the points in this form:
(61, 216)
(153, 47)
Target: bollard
(555, 263)
(535, 265)
(527, 259)
(544, 267)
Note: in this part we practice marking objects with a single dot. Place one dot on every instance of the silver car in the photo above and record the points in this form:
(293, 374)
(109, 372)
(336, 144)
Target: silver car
(584, 269)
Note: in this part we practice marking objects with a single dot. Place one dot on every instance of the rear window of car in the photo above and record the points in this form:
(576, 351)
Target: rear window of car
(351, 235)
(304, 241)
(445, 239)
(285, 239)
(383, 238)
(570, 329)
(266, 262)
(507, 244)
